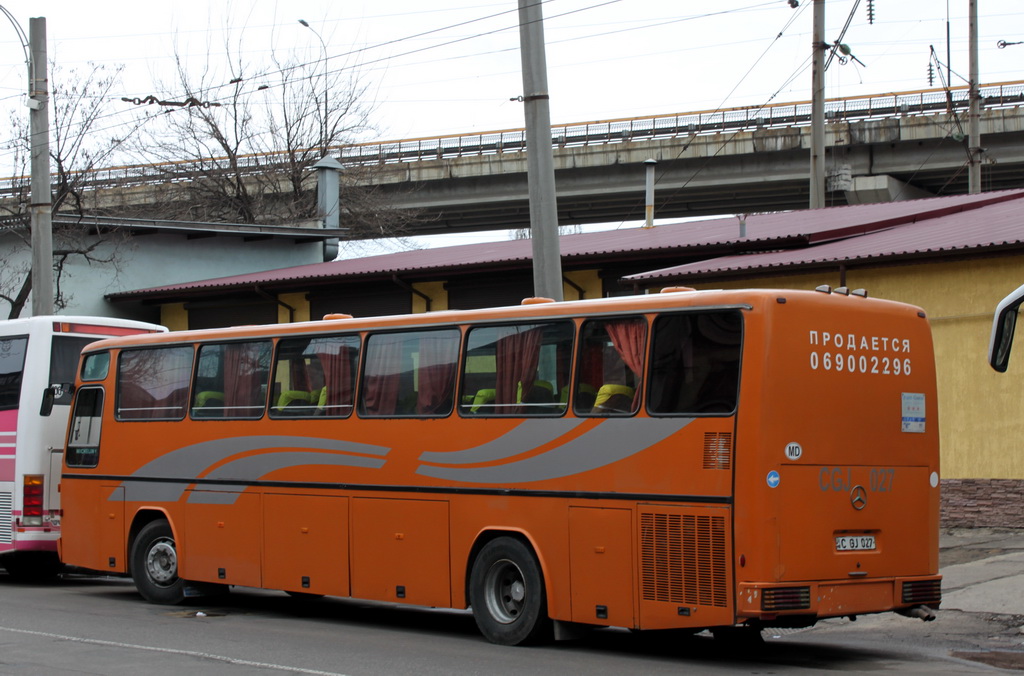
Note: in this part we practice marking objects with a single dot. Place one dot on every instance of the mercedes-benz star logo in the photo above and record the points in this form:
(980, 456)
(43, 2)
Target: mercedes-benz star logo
(859, 498)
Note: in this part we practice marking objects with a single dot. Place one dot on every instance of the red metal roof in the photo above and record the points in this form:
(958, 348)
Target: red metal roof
(820, 235)
(980, 225)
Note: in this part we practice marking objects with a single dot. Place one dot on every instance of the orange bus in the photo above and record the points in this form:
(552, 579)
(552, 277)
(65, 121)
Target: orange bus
(683, 460)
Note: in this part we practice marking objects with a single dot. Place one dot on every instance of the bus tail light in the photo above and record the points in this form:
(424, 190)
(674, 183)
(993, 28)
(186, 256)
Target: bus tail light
(32, 504)
(786, 598)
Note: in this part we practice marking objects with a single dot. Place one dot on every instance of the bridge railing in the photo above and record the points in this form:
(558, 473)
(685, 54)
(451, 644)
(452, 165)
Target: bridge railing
(922, 102)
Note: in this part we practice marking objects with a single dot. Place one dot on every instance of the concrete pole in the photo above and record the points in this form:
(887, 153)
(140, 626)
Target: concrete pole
(649, 193)
(540, 163)
(41, 200)
(974, 111)
(817, 187)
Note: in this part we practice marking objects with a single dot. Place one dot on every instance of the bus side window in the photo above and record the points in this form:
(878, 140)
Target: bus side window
(152, 383)
(611, 366)
(520, 369)
(84, 436)
(315, 377)
(409, 373)
(695, 360)
(231, 380)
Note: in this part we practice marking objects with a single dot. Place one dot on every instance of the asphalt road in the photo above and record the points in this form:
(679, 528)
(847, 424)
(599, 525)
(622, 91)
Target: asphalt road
(95, 625)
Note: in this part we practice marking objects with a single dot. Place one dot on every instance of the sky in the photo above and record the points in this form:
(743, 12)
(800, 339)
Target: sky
(452, 66)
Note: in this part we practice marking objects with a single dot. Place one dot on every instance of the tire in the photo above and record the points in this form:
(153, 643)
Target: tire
(506, 592)
(155, 565)
(34, 567)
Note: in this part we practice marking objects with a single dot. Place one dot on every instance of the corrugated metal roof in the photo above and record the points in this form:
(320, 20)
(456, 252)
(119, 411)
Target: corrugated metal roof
(714, 237)
(987, 226)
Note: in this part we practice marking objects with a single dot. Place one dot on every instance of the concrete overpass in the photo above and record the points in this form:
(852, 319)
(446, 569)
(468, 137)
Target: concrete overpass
(897, 146)
(738, 160)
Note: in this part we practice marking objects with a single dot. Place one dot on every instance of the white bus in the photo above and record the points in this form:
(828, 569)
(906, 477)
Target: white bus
(38, 360)
(1002, 330)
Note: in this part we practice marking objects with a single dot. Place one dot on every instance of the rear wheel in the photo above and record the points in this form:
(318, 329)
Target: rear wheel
(506, 591)
(155, 564)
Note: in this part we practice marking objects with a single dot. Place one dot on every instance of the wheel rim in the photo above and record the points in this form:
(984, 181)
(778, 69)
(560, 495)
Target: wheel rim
(505, 591)
(162, 562)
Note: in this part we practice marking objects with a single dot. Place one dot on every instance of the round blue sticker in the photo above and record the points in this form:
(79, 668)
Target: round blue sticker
(773, 479)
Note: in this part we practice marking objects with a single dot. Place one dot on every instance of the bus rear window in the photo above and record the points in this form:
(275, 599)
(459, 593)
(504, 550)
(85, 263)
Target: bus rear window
(695, 363)
(64, 354)
(12, 363)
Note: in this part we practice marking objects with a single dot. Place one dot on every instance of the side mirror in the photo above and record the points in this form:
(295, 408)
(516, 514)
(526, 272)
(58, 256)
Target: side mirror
(51, 394)
(1003, 325)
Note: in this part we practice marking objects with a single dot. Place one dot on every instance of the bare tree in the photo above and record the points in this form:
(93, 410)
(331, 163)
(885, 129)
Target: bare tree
(242, 148)
(80, 102)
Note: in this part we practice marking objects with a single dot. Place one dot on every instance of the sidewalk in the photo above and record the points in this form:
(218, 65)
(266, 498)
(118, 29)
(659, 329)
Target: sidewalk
(982, 570)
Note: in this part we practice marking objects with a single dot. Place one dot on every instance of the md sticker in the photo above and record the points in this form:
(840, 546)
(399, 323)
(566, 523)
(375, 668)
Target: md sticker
(794, 451)
(773, 479)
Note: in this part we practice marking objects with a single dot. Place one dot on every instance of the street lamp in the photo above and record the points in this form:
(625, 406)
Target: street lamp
(323, 46)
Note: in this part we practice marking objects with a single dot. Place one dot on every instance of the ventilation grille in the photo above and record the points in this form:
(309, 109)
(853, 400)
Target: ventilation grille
(922, 591)
(6, 533)
(786, 598)
(683, 559)
(717, 450)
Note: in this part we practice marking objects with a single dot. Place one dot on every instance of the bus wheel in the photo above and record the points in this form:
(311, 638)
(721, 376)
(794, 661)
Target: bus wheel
(507, 593)
(155, 565)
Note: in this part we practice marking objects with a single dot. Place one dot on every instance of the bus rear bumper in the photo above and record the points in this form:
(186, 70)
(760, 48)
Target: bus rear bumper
(837, 598)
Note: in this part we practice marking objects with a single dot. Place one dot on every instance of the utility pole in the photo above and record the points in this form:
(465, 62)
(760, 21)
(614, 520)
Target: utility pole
(974, 111)
(540, 163)
(817, 186)
(41, 199)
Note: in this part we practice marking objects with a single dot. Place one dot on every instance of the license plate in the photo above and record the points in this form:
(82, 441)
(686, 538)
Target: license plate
(854, 543)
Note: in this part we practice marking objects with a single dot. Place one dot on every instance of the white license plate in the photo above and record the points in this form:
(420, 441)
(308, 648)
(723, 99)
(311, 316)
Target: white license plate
(854, 543)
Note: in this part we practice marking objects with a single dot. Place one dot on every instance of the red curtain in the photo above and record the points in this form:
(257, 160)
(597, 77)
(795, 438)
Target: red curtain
(382, 375)
(628, 336)
(336, 359)
(244, 374)
(518, 354)
(436, 372)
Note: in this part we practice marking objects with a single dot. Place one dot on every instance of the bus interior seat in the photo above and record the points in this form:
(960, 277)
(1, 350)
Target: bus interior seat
(614, 398)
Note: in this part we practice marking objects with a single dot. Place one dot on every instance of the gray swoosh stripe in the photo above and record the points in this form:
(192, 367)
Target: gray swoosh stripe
(524, 437)
(188, 462)
(609, 442)
(254, 467)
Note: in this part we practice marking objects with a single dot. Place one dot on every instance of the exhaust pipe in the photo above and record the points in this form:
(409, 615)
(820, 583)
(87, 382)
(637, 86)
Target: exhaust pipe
(923, 613)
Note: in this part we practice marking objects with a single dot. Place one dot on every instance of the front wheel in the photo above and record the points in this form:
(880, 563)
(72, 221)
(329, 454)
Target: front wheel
(155, 565)
(506, 592)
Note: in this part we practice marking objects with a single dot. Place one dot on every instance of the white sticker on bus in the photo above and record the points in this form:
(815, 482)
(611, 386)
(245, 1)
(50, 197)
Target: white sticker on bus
(913, 412)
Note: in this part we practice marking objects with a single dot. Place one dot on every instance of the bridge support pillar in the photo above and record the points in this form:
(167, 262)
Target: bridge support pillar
(884, 188)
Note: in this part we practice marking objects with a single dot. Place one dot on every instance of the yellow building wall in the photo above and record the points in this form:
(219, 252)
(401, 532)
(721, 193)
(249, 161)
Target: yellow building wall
(435, 291)
(980, 423)
(174, 316)
(299, 304)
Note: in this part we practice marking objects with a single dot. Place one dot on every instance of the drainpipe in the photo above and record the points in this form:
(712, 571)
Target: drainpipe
(328, 201)
(263, 294)
(649, 194)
